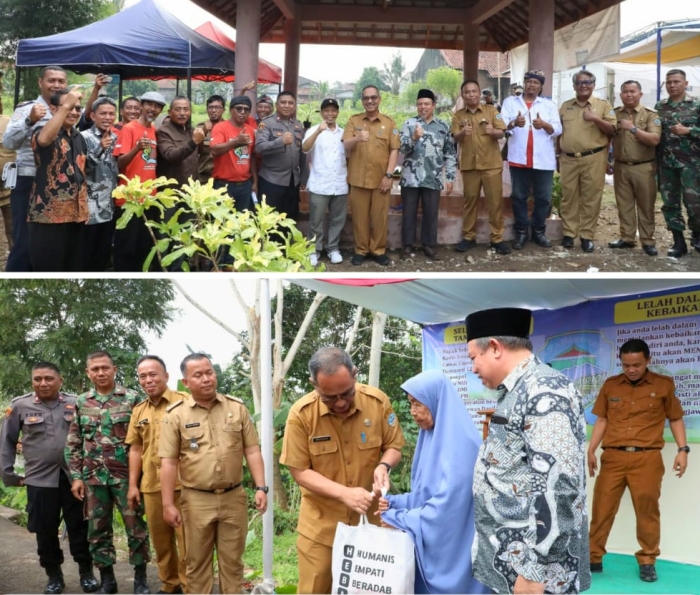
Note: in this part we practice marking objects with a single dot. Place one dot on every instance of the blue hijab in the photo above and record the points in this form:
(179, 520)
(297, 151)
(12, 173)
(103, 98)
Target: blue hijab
(438, 512)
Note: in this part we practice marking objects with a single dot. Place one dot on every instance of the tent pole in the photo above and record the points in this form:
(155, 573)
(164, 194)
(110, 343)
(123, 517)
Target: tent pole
(189, 84)
(658, 63)
(121, 91)
(177, 86)
(18, 73)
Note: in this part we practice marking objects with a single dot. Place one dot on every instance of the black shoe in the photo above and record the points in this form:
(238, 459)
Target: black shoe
(141, 580)
(55, 584)
(501, 247)
(540, 239)
(176, 591)
(651, 250)
(406, 253)
(567, 242)
(695, 240)
(465, 245)
(430, 253)
(647, 572)
(108, 583)
(357, 259)
(679, 247)
(587, 245)
(520, 240)
(88, 582)
(382, 259)
(620, 244)
(596, 567)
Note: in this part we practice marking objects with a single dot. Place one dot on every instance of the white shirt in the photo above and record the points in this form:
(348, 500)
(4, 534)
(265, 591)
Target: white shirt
(328, 174)
(543, 153)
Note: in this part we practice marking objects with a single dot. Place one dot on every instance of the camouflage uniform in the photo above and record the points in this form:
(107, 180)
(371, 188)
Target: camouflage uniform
(678, 158)
(96, 453)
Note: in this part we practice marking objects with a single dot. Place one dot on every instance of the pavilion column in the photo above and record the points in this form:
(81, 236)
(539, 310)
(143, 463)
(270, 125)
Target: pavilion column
(247, 44)
(292, 33)
(470, 50)
(541, 42)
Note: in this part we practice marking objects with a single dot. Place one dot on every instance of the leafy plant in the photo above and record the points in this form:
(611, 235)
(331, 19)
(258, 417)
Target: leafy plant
(200, 223)
(556, 193)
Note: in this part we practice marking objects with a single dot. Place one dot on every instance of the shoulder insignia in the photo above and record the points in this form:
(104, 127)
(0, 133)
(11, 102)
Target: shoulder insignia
(238, 400)
(21, 397)
(174, 405)
(499, 117)
(612, 112)
(24, 103)
(391, 420)
(395, 131)
(657, 122)
(8, 412)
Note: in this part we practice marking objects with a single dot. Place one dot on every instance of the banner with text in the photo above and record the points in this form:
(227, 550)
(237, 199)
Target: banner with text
(583, 341)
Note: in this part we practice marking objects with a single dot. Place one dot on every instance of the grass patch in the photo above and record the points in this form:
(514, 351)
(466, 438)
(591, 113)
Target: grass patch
(284, 557)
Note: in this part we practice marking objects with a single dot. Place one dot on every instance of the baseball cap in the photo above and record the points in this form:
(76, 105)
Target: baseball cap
(330, 102)
(153, 96)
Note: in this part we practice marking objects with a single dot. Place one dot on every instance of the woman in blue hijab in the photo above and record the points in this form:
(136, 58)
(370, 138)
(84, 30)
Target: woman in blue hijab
(438, 512)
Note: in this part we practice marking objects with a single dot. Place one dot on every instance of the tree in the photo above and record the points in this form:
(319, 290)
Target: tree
(137, 87)
(62, 320)
(370, 76)
(410, 93)
(445, 82)
(393, 73)
(320, 90)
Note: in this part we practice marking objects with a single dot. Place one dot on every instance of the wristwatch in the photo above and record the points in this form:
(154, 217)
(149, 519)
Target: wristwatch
(633, 130)
(263, 489)
(388, 176)
(388, 467)
(28, 122)
(684, 449)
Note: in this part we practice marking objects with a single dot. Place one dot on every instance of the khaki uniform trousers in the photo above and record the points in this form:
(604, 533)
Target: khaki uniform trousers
(582, 183)
(315, 562)
(642, 473)
(168, 543)
(370, 219)
(492, 182)
(635, 195)
(214, 520)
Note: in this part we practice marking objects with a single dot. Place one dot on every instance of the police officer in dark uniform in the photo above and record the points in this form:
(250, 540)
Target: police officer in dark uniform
(43, 417)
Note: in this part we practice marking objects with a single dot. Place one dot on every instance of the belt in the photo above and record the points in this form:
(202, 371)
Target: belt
(632, 448)
(218, 490)
(26, 171)
(634, 162)
(586, 153)
(236, 183)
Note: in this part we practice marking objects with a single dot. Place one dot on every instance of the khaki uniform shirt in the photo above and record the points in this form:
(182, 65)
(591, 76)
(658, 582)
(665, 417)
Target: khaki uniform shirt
(144, 429)
(626, 146)
(479, 151)
(345, 450)
(44, 426)
(208, 442)
(579, 135)
(368, 160)
(636, 414)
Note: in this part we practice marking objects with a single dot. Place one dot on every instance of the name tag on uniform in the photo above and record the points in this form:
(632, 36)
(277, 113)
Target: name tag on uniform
(143, 422)
(497, 419)
(194, 425)
(320, 439)
(615, 399)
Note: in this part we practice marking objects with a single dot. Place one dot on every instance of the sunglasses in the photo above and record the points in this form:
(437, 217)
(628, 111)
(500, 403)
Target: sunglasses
(241, 109)
(584, 83)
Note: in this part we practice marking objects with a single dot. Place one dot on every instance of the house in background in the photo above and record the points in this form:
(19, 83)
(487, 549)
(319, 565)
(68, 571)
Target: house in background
(492, 65)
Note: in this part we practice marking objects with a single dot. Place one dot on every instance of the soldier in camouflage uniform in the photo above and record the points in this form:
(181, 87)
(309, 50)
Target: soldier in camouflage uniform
(97, 457)
(678, 155)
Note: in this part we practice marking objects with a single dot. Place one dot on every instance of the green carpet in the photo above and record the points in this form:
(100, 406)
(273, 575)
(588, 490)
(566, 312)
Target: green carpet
(621, 575)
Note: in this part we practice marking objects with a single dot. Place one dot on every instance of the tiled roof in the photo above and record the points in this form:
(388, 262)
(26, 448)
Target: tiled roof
(488, 61)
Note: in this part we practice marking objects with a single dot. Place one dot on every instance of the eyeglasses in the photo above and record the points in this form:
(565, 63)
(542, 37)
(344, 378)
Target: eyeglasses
(370, 97)
(346, 396)
(584, 83)
(216, 107)
(75, 108)
(241, 110)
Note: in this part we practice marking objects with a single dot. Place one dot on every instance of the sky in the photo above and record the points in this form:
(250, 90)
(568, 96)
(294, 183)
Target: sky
(331, 63)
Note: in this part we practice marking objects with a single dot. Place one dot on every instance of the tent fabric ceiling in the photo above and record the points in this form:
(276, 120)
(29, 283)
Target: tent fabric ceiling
(438, 300)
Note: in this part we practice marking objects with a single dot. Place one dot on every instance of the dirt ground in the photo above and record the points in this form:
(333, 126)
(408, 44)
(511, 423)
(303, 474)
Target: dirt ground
(531, 259)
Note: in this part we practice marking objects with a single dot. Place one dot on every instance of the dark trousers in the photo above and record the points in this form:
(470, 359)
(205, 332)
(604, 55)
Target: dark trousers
(56, 247)
(98, 240)
(44, 507)
(18, 260)
(132, 246)
(284, 198)
(240, 192)
(430, 205)
(540, 180)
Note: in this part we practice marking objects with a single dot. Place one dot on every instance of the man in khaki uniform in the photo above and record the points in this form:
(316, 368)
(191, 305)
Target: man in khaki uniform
(144, 468)
(340, 439)
(588, 123)
(634, 148)
(478, 127)
(206, 438)
(371, 143)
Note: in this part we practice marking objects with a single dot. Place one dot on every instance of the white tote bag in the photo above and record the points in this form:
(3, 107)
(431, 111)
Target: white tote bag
(370, 559)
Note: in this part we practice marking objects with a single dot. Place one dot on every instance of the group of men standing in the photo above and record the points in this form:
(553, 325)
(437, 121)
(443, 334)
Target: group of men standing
(175, 457)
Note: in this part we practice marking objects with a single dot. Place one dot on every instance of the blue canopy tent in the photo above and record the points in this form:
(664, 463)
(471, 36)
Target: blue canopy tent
(141, 41)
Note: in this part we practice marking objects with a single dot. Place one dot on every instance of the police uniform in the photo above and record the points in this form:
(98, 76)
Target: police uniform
(635, 175)
(18, 137)
(209, 444)
(367, 166)
(582, 164)
(346, 451)
(481, 164)
(281, 166)
(632, 443)
(44, 426)
(144, 430)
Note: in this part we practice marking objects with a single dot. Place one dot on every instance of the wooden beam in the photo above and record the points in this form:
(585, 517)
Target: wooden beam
(485, 9)
(288, 7)
(375, 14)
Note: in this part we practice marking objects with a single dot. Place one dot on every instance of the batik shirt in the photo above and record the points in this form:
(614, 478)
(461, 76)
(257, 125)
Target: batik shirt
(425, 158)
(679, 151)
(96, 449)
(102, 176)
(530, 485)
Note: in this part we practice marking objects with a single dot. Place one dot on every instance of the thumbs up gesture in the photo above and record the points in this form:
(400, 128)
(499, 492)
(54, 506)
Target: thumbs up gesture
(418, 132)
(589, 114)
(538, 123)
(364, 135)
(519, 120)
(467, 127)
